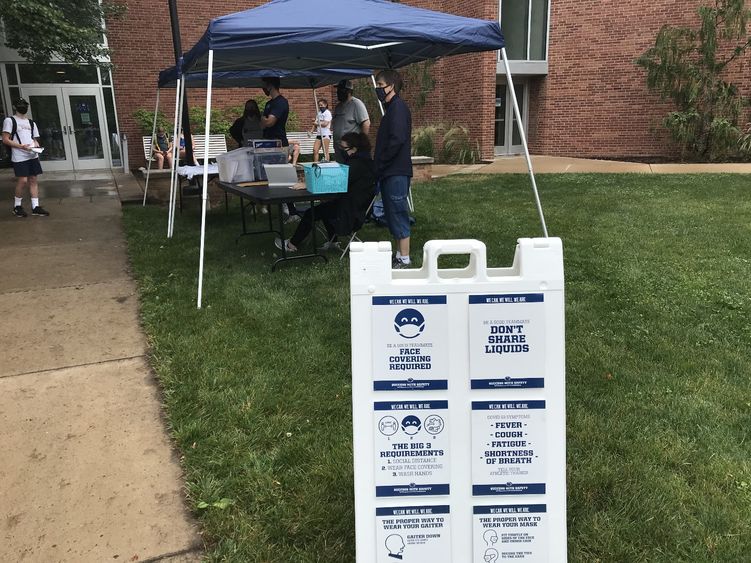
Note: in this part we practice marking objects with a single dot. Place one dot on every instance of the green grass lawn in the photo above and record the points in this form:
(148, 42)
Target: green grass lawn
(658, 302)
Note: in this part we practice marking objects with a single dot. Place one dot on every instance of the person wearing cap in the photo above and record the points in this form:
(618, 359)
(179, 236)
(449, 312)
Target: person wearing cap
(350, 116)
(22, 135)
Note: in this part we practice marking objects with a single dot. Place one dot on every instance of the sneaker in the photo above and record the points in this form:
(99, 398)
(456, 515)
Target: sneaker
(397, 264)
(330, 245)
(287, 247)
(40, 211)
(18, 211)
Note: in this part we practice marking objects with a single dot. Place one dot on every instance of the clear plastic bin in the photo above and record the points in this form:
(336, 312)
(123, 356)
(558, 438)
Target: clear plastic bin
(236, 166)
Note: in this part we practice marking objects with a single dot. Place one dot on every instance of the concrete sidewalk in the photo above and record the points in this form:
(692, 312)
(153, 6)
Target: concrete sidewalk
(562, 165)
(88, 473)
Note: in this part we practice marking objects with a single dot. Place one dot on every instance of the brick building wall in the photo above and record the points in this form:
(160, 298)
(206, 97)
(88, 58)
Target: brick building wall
(142, 45)
(594, 101)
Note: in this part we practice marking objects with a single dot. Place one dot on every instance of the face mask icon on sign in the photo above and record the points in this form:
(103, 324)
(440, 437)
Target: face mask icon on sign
(411, 425)
(409, 323)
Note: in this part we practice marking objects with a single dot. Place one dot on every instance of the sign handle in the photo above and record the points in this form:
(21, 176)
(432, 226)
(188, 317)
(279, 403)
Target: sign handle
(476, 250)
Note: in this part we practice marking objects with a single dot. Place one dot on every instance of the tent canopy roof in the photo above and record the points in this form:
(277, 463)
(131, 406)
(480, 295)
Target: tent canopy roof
(314, 34)
(252, 78)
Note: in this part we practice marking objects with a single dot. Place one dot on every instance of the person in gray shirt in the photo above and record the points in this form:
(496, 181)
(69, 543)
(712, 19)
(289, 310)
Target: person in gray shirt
(350, 116)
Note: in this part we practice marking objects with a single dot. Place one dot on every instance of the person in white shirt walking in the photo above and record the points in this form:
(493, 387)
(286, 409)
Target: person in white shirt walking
(22, 135)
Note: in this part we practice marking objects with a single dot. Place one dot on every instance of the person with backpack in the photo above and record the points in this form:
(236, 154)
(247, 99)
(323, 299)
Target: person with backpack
(22, 136)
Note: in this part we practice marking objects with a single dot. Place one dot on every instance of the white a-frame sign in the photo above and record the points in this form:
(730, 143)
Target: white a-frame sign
(458, 393)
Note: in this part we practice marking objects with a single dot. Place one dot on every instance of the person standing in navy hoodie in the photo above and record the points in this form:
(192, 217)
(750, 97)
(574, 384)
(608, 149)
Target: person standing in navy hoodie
(393, 160)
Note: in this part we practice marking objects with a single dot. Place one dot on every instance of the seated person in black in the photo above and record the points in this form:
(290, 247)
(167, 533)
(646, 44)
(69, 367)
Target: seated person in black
(346, 214)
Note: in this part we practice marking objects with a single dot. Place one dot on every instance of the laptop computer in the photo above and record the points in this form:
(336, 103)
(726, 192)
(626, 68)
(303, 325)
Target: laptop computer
(281, 175)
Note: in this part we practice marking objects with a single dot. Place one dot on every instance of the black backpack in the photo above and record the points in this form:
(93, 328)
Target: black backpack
(14, 129)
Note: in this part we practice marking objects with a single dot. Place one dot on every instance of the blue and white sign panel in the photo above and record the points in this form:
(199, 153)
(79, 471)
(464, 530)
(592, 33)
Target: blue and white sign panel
(458, 406)
(410, 337)
(507, 341)
(413, 534)
(510, 532)
(412, 448)
(508, 447)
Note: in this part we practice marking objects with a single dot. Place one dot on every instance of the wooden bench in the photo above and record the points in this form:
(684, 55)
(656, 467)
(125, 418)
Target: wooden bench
(305, 142)
(217, 146)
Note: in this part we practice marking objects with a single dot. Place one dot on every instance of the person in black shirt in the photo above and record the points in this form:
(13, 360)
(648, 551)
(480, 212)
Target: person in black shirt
(393, 160)
(274, 122)
(276, 112)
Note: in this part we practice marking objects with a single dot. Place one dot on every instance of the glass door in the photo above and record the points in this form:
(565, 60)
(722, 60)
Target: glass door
(507, 137)
(46, 109)
(86, 131)
(71, 126)
(500, 119)
(515, 140)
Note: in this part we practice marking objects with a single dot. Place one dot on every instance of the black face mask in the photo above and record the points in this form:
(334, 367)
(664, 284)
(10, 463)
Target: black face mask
(381, 94)
(342, 95)
(22, 109)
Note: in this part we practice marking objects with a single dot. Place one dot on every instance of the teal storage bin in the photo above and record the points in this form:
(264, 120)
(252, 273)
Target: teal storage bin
(326, 179)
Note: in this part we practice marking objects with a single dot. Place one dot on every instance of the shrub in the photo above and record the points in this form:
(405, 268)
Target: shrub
(688, 65)
(145, 120)
(221, 119)
(456, 147)
(423, 140)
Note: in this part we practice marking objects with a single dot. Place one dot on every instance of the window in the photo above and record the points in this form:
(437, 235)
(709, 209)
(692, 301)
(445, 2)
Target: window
(109, 110)
(525, 28)
(58, 74)
(10, 71)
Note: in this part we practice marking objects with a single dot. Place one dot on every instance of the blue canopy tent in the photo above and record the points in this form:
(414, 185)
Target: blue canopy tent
(252, 78)
(172, 78)
(308, 35)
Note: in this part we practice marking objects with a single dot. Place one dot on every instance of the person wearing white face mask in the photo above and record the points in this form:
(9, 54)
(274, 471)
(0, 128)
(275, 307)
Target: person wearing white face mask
(393, 159)
(322, 127)
(22, 135)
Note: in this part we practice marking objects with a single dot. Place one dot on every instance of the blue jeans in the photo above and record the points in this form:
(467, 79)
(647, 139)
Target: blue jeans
(394, 192)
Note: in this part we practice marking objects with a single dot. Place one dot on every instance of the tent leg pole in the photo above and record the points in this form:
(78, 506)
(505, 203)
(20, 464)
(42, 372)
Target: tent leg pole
(172, 166)
(153, 133)
(205, 175)
(380, 104)
(176, 157)
(520, 125)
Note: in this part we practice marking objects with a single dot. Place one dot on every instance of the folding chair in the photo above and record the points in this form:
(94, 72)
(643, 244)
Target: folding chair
(354, 232)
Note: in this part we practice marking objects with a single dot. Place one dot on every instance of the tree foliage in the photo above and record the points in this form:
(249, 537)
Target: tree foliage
(69, 30)
(690, 66)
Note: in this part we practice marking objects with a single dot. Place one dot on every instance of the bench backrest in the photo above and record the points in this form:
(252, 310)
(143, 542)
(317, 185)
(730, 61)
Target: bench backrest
(305, 142)
(217, 146)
